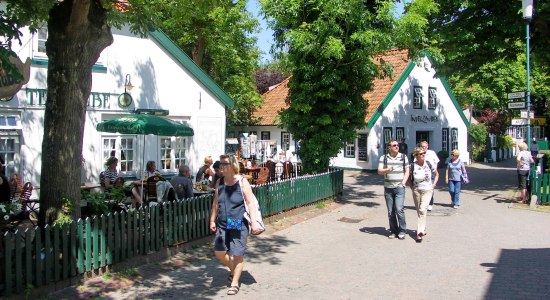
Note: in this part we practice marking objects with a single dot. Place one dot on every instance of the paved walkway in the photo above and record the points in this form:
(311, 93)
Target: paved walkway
(484, 250)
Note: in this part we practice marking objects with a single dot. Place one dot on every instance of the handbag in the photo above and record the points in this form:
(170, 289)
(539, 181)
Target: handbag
(464, 177)
(258, 219)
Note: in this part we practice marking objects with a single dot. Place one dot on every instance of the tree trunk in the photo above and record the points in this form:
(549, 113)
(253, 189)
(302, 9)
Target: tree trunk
(77, 34)
(199, 49)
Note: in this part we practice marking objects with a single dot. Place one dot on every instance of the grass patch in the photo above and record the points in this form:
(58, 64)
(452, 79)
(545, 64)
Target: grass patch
(130, 273)
(321, 205)
(107, 276)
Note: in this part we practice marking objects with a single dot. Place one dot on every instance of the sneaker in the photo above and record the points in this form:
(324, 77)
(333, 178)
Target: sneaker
(392, 236)
(429, 208)
(401, 236)
(455, 207)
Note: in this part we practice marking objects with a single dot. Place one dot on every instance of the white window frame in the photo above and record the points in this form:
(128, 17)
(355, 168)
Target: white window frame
(445, 139)
(115, 146)
(454, 138)
(417, 97)
(399, 133)
(175, 153)
(285, 141)
(349, 151)
(432, 98)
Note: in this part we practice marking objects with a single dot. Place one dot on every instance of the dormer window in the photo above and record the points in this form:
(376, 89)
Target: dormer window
(417, 97)
(432, 98)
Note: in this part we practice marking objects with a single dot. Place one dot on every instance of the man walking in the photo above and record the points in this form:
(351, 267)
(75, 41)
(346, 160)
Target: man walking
(431, 156)
(395, 168)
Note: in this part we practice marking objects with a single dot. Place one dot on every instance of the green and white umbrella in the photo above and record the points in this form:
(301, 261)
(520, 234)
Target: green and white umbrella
(145, 124)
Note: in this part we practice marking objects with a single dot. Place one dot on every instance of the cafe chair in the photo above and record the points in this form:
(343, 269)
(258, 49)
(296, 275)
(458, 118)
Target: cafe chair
(242, 169)
(263, 176)
(270, 165)
(16, 186)
(30, 207)
(151, 186)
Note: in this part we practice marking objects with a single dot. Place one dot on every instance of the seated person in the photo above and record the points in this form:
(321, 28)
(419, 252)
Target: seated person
(16, 185)
(109, 179)
(182, 183)
(217, 173)
(204, 171)
(151, 169)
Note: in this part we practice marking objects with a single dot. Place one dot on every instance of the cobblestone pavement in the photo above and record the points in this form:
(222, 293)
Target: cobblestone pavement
(483, 250)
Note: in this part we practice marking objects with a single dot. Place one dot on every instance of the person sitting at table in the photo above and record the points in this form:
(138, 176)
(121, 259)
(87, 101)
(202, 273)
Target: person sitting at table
(204, 171)
(109, 179)
(182, 183)
(151, 169)
(217, 173)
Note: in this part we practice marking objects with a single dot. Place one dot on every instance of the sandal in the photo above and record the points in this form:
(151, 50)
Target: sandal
(233, 290)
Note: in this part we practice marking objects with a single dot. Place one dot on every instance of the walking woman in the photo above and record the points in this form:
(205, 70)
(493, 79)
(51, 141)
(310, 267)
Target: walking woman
(453, 178)
(422, 188)
(524, 160)
(227, 219)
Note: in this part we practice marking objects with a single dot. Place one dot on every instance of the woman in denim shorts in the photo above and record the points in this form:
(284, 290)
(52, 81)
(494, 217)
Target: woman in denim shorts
(227, 219)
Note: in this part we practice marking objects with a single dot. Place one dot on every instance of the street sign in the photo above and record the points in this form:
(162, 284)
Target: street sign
(516, 95)
(516, 104)
(523, 114)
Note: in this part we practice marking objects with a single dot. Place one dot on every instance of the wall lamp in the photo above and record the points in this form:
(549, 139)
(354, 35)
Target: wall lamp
(125, 99)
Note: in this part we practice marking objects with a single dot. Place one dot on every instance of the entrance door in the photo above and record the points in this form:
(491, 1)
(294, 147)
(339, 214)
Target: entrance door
(422, 136)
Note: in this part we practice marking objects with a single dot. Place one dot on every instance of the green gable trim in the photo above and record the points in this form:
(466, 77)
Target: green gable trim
(450, 93)
(395, 88)
(455, 102)
(44, 62)
(190, 66)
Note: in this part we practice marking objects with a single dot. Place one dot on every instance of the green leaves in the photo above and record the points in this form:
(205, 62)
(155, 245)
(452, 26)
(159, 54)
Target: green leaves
(330, 44)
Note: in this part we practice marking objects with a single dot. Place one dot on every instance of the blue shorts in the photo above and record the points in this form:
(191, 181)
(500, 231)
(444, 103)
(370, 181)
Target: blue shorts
(232, 241)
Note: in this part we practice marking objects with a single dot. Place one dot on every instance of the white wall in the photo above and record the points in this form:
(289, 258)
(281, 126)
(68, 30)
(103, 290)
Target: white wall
(399, 113)
(159, 81)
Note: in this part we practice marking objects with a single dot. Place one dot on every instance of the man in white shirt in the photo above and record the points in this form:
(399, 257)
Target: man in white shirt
(431, 156)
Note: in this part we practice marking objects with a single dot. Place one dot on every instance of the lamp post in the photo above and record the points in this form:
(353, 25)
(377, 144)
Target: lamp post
(528, 16)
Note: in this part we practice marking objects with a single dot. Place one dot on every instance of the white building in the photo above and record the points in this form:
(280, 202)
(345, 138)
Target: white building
(166, 81)
(415, 104)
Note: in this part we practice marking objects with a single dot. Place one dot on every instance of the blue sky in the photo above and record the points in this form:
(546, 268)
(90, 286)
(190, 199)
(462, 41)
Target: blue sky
(265, 37)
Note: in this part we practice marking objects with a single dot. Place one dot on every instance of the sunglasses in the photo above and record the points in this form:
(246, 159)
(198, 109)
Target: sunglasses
(394, 145)
(224, 164)
(421, 154)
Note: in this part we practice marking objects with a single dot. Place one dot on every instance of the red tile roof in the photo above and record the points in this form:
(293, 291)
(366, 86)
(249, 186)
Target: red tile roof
(275, 99)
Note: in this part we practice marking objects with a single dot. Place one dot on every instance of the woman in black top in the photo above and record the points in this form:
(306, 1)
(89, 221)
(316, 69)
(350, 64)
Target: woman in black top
(227, 219)
(205, 172)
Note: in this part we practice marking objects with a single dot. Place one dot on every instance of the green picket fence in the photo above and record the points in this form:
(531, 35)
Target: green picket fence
(40, 256)
(541, 187)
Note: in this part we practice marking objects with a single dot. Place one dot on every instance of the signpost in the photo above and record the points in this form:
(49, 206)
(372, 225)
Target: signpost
(523, 114)
(516, 95)
(516, 104)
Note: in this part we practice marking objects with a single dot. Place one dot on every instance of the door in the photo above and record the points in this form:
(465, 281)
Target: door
(422, 136)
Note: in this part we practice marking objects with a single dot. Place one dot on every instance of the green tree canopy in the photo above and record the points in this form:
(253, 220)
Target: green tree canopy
(218, 35)
(330, 46)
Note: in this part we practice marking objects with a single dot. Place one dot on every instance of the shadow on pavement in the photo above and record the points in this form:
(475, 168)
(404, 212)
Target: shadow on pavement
(375, 230)
(518, 274)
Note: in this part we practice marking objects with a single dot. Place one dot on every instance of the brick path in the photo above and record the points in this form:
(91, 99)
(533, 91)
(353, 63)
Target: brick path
(484, 250)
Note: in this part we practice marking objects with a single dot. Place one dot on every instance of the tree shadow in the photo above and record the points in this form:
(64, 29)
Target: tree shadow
(519, 274)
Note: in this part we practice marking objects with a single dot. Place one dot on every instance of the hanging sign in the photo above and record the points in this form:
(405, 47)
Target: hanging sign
(10, 83)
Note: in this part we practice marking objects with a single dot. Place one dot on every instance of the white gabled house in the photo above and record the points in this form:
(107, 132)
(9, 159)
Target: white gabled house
(415, 105)
(165, 81)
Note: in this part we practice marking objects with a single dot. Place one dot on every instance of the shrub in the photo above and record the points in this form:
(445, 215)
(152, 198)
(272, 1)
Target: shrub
(504, 141)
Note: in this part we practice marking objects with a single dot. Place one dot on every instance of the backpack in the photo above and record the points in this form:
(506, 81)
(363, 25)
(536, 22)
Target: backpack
(402, 158)
(411, 174)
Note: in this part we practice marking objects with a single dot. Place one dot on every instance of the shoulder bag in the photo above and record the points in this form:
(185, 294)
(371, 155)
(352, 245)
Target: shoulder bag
(463, 174)
(258, 220)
